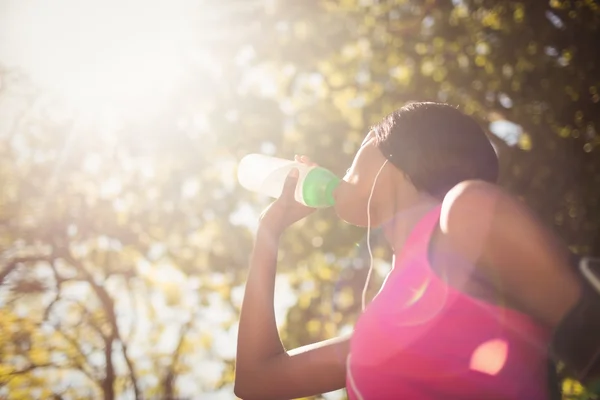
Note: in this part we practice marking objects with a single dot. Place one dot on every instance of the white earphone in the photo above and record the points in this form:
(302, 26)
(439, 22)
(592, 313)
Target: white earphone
(364, 293)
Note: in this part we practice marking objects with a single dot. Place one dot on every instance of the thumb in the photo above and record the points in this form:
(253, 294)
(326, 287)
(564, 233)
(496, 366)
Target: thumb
(289, 187)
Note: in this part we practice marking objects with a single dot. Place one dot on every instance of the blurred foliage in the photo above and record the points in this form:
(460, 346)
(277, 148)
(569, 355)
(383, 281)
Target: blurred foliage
(123, 244)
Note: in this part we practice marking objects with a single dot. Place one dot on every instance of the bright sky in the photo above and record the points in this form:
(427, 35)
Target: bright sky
(106, 53)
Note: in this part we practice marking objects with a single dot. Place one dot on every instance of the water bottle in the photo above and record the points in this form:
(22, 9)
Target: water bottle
(266, 175)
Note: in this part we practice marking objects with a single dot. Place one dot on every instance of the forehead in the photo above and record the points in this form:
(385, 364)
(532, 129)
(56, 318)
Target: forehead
(369, 136)
(368, 150)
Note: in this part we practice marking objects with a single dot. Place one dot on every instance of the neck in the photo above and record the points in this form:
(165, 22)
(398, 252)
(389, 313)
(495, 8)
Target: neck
(397, 230)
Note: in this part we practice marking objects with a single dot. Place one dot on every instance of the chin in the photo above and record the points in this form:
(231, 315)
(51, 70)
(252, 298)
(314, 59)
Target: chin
(350, 215)
(350, 205)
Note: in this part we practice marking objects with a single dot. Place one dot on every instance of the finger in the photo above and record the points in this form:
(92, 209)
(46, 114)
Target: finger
(289, 187)
(306, 160)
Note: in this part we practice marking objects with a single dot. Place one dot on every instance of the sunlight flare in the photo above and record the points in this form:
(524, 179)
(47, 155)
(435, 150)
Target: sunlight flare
(122, 58)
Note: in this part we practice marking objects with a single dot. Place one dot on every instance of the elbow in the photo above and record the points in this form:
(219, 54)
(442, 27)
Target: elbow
(243, 386)
(239, 389)
(241, 394)
(254, 381)
(238, 384)
(246, 393)
(250, 386)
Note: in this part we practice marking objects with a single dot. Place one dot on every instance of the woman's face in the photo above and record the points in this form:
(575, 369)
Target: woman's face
(352, 195)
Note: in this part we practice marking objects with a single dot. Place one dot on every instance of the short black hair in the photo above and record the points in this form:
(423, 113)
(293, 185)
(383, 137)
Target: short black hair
(436, 146)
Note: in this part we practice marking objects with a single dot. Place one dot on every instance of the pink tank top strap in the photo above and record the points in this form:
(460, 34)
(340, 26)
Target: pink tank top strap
(417, 244)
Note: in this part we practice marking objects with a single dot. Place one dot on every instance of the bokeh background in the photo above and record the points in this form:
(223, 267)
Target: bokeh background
(124, 236)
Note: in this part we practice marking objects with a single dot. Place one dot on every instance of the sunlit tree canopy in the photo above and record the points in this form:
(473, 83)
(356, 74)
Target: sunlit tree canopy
(124, 235)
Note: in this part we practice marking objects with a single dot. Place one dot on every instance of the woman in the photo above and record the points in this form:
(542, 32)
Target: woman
(477, 284)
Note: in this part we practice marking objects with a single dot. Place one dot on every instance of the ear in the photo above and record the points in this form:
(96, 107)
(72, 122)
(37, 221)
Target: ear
(399, 180)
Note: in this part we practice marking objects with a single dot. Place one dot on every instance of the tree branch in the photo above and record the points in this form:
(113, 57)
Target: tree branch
(58, 281)
(15, 262)
(109, 310)
(170, 377)
(32, 367)
(108, 383)
(82, 367)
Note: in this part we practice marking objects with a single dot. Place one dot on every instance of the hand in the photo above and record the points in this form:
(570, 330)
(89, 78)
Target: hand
(285, 211)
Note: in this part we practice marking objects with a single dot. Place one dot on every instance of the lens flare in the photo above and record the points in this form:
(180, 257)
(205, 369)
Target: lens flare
(490, 357)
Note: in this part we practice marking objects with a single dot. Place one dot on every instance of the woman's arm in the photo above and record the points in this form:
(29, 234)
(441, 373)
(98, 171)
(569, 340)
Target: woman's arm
(264, 370)
(502, 237)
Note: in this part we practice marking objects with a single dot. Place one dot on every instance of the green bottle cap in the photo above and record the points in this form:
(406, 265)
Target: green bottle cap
(318, 187)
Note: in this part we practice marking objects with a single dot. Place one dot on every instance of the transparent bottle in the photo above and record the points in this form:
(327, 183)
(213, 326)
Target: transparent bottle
(266, 175)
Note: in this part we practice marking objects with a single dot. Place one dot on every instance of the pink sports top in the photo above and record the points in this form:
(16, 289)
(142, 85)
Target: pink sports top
(421, 339)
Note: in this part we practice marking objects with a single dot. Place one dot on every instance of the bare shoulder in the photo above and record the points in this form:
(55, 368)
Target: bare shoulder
(469, 211)
(504, 238)
(470, 197)
(481, 219)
